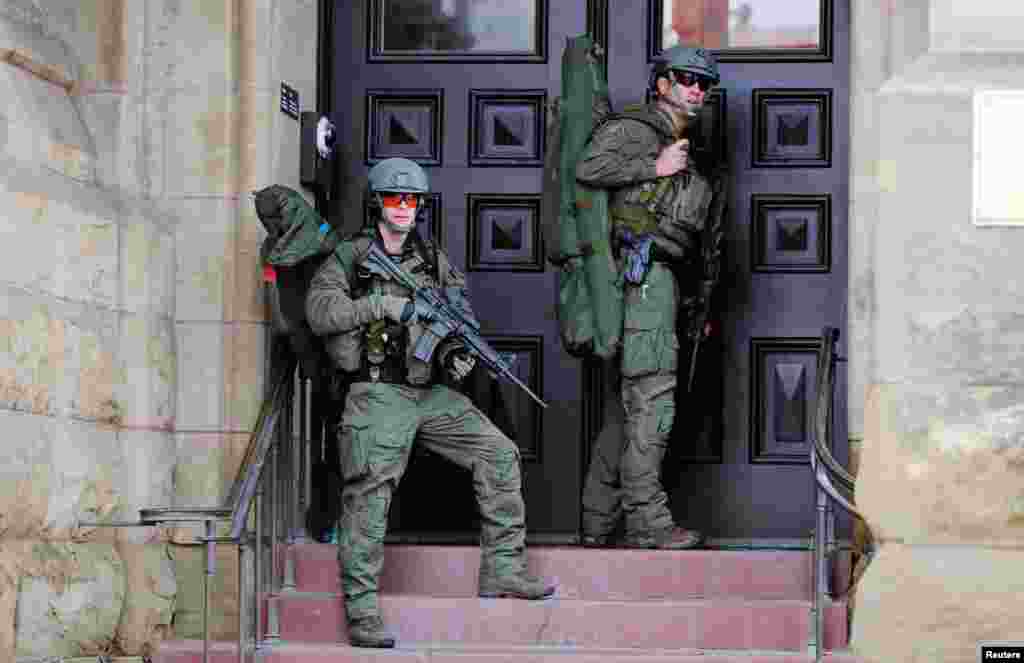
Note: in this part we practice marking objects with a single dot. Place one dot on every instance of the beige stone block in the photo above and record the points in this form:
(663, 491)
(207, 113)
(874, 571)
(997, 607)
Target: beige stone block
(943, 464)
(256, 45)
(294, 48)
(30, 261)
(93, 373)
(258, 110)
(151, 590)
(28, 46)
(191, 43)
(205, 249)
(66, 249)
(197, 470)
(103, 38)
(115, 120)
(936, 603)
(86, 255)
(44, 126)
(10, 572)
(20, 143)
(157, 144)
(245, 361)
(199, 480)
(201, 377)
(202, 125)
(233, 453)
(976, 25)
(149, 458)
(189, 569)
(869, 35)
(88, 475)
(70, 603)
(26, 478)
(246, 301)
(148, 265)
(147, 362)
(34, 358)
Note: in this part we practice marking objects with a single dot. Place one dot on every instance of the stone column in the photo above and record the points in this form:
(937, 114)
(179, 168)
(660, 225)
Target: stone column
(215, 78)
(939, 336)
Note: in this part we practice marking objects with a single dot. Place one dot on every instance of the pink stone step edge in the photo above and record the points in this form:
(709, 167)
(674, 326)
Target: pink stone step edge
(593, 574)
(190, 651)
(713, 624)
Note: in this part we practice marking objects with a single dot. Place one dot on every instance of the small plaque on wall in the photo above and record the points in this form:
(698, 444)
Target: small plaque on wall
(997, 197)
(289, 100)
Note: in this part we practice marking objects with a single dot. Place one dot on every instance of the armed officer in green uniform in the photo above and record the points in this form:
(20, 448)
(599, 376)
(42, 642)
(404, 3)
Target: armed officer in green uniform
(371, 327)
(658, 205)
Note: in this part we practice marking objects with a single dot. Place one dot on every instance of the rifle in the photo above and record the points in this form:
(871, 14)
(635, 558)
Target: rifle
(711, 249)
(445, 318)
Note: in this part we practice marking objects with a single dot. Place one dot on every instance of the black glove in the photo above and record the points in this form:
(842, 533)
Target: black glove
(459, 364)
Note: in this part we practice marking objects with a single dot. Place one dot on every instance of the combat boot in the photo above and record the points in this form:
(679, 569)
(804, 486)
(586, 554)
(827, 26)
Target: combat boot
(517, 586)
(369, 632)
(672, 538)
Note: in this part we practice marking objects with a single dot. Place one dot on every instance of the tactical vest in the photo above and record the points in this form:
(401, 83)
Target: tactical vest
(382, 351)
(671, 209)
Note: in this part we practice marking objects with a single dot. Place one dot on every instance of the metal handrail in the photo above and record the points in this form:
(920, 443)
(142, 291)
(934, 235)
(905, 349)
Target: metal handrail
(246, 491)
(831, 481)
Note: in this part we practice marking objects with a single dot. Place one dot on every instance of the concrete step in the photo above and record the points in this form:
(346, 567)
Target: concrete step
(735, 624)
(190, 651)
(592, 574)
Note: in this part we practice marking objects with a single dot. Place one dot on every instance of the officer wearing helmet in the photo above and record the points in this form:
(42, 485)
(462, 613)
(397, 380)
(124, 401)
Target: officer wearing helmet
(370, 327)
(658, 206)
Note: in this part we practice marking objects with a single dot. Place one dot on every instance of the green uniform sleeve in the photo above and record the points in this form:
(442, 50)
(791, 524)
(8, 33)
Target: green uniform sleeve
(330, 308)
(621, 152)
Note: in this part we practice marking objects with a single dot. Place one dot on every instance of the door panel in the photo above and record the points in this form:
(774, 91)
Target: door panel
(737, 467)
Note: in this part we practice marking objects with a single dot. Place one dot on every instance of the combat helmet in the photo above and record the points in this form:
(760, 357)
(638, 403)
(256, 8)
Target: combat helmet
(687, 58)
(397, 175)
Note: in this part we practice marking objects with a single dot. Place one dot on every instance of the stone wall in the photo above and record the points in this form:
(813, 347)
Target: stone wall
(935, 316)
(131, 321)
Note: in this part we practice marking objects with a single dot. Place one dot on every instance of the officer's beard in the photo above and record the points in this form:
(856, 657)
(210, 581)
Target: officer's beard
(683, 114)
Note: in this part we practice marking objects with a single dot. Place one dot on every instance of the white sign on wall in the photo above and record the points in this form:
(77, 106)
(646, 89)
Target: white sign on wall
(998, 193)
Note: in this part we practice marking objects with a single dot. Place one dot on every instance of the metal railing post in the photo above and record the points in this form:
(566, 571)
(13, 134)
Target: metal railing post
(258, 567)
(273, 624)
(304, 468)
(820, 566)
(211, 568)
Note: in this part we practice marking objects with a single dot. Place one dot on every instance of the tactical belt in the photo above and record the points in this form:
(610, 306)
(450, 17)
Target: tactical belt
(687, 243)
(638, 219)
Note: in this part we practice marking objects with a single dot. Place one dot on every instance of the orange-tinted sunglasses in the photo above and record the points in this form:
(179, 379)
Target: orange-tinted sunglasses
(396, 199)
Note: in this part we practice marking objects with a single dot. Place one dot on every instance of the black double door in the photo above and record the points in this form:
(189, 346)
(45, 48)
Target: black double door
(462, 87)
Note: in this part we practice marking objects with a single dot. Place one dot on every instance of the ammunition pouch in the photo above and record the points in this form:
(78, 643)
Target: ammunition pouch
(637, 219)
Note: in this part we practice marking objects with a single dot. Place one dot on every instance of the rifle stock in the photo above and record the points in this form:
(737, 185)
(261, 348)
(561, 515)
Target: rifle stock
(711, 250)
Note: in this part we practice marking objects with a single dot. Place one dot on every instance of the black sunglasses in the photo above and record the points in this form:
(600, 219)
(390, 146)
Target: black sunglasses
(688, 79)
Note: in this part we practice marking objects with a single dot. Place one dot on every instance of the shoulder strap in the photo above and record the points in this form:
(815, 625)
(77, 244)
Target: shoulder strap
(350, 253)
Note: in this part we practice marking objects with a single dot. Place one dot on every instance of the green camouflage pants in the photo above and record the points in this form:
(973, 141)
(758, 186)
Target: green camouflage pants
(376, 437)
(624, 477)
